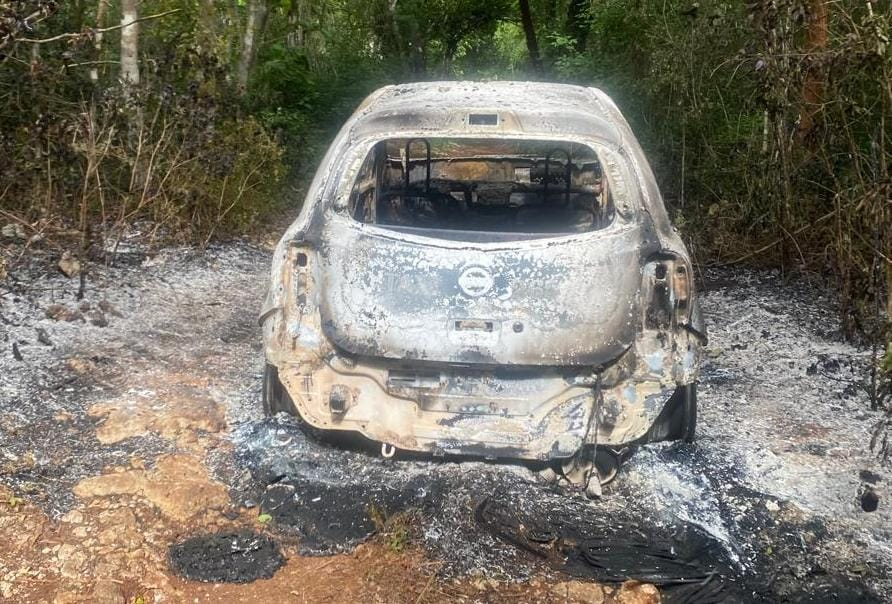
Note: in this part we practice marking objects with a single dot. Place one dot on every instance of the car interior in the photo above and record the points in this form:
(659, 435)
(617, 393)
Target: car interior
(483, 186)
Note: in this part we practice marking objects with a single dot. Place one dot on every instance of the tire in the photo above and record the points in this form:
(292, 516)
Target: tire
(275, 398)
(678, 420)
(687, 423)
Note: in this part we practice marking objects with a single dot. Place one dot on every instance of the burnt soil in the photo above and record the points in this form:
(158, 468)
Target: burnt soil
(131, 434)
(227, 557)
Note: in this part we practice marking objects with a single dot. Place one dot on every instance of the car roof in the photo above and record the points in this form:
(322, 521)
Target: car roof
(524, 108)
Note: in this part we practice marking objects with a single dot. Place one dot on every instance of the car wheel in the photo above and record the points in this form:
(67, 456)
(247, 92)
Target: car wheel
(275, 397)
(689, 419)
(678, 420)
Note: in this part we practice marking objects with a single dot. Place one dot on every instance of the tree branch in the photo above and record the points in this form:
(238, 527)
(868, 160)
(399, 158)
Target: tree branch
(72, 65)
(99, 31)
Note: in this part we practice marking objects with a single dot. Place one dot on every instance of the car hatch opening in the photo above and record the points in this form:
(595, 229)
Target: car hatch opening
(502, 188)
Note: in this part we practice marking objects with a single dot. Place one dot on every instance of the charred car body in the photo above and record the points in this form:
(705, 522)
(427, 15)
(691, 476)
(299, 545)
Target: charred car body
(486, 269)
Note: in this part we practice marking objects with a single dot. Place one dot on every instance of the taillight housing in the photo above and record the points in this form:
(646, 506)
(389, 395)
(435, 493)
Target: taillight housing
(302, 275)
(667, 293)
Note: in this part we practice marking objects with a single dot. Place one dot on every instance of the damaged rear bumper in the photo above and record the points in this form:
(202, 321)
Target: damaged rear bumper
(539, 413)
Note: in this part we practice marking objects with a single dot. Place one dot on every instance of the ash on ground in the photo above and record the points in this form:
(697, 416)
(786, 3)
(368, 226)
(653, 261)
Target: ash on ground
(767, 504)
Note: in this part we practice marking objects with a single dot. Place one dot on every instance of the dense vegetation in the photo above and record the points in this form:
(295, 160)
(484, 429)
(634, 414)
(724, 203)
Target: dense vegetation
(768, 123)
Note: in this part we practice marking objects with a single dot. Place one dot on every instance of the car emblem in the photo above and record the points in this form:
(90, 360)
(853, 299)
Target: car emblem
(475, 281)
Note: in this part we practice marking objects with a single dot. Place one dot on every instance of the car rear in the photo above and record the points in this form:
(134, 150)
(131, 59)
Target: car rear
(482, 290)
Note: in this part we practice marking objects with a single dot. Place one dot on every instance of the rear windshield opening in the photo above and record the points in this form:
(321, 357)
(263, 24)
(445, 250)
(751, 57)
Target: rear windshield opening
(476, 185)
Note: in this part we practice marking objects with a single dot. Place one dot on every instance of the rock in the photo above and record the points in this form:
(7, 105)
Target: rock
(43, 337)
(58, 312)
(578, 591)
(156, 260)
(107, 592)
(80, 366)
(107, 307)
(73, 564)
(13, 230)
(55, 311)
(177, 486)
(69, 265)
(97, 318)
(73, 517)
(2, 268)
(870, 501)
(65, 551)
(633, 592)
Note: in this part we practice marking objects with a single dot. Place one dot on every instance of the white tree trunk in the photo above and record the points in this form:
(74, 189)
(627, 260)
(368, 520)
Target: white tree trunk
(97, 41)
(256, 21)
(129, 42)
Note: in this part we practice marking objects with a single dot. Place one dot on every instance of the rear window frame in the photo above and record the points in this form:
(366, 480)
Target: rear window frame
(621, 176)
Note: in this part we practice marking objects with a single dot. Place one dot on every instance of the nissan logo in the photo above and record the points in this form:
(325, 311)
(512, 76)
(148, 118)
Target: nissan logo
(475, 281)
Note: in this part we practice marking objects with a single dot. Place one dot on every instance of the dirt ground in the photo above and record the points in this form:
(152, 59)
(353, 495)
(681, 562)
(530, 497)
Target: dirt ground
(136, 466)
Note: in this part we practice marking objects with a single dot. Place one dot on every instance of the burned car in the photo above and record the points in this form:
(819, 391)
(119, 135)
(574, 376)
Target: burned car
(486, 269)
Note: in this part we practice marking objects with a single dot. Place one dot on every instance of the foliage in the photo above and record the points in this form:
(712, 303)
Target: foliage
(394, 530)
(165, 156)
(176, 150)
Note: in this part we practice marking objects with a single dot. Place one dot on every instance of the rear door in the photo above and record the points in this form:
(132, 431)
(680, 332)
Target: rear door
(565, 300)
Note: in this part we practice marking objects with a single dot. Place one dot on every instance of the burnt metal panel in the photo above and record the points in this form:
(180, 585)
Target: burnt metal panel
(575, 297)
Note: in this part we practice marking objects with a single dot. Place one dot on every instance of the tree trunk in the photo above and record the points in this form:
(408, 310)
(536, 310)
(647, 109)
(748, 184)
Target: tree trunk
(207, 22)
(813, 86)
(576, 26)
(129, 42)
(417, 56)
(77, 15)
(101, 10)
(257, 12)
(529, 31)
(296, 19)
(889, 288)
(449, 54)
(398, 43)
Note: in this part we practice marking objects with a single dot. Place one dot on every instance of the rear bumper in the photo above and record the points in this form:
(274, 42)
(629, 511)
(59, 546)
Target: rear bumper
(538, 414)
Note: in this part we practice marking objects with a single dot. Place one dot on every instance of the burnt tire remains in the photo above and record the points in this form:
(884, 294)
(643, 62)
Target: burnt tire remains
(678, 420)
(230, 557)
(687, 564)
(275, 397)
